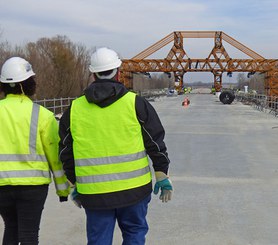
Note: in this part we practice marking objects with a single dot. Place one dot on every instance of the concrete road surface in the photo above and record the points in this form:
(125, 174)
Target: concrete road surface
(225, 173)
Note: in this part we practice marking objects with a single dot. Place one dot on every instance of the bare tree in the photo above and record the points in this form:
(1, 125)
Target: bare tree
(254, 82)
(61, 67)
(241, 81)
(257, 83)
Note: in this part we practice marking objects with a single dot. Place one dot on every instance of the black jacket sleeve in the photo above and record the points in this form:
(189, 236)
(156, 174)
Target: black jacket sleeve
(153, 134)
(65, 146)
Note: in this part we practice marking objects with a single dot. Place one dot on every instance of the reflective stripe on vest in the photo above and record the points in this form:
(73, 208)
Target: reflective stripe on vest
(24, 174)
(110, 160)
(22, 158)
(108, 146)
(113, 177)
(63, 186)
(31, 157)
(33, 128)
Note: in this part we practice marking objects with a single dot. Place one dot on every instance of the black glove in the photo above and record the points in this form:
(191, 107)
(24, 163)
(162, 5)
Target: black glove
(63, 199)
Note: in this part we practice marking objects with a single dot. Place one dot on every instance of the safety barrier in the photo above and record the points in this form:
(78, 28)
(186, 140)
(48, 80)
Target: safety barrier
(56, 105)
(260, 102)
(151, 94)
(59, 105)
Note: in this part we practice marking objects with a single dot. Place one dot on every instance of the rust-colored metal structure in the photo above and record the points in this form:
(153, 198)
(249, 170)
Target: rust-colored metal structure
(217, 62)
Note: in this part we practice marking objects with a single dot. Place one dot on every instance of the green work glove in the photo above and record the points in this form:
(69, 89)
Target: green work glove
(163, 183)
(74, 195)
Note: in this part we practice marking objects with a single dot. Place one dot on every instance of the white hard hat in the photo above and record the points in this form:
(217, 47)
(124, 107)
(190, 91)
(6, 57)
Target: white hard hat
(16, 70)
(104, 59)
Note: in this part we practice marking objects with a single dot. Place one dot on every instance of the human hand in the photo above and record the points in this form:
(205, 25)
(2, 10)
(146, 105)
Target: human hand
(164, 184)
(166, 190)
(75, 197)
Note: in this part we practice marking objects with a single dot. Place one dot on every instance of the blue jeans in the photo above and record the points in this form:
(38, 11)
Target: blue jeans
(21, 208)
(131, 220)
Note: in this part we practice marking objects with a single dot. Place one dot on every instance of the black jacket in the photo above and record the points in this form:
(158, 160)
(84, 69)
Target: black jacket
(103, 93)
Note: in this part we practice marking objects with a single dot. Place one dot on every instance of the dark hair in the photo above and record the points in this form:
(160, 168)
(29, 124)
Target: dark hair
(105, 73)
(28, 87)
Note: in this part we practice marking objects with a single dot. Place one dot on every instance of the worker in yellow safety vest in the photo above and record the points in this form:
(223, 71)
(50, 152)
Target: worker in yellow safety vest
(106, 136)
(28, 155)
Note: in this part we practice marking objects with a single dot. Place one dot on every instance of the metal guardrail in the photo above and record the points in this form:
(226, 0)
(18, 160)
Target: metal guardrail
(152, 93)
(59, 105)
(56, 105)
(261, 102)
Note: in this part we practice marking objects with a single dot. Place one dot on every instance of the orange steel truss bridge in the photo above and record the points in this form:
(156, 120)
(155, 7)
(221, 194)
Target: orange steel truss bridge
(217, 62)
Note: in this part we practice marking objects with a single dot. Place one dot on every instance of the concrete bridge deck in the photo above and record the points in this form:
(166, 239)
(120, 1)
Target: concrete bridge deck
(225, 173)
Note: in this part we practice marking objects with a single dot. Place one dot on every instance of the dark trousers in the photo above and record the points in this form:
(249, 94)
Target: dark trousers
(21, 208)
(131, 220)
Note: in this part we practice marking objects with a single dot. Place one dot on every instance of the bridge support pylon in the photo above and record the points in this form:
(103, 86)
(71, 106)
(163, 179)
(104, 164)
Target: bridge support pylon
(217, 82)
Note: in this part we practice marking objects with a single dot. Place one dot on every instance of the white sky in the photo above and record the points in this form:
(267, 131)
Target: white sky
(130, 26)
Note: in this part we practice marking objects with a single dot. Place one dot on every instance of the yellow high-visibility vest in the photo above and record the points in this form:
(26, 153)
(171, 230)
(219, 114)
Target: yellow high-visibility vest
(108, 146)
(29, 145)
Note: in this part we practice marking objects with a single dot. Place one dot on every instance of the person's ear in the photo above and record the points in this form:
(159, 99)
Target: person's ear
(117, 76)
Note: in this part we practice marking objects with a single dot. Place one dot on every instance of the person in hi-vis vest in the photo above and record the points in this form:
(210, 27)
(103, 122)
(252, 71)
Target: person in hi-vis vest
(28, 155)
(106, 136)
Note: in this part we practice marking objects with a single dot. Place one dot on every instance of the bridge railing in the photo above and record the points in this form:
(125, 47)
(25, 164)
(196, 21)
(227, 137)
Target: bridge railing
(56, 105)
(261, 102)
(152, 93)
(59, 105)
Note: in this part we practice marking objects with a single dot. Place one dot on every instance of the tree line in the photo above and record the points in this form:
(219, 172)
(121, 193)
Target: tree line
(255, 82)
(61, 66)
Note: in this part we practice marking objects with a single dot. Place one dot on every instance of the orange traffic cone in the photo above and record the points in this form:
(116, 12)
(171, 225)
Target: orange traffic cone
(185, 102)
